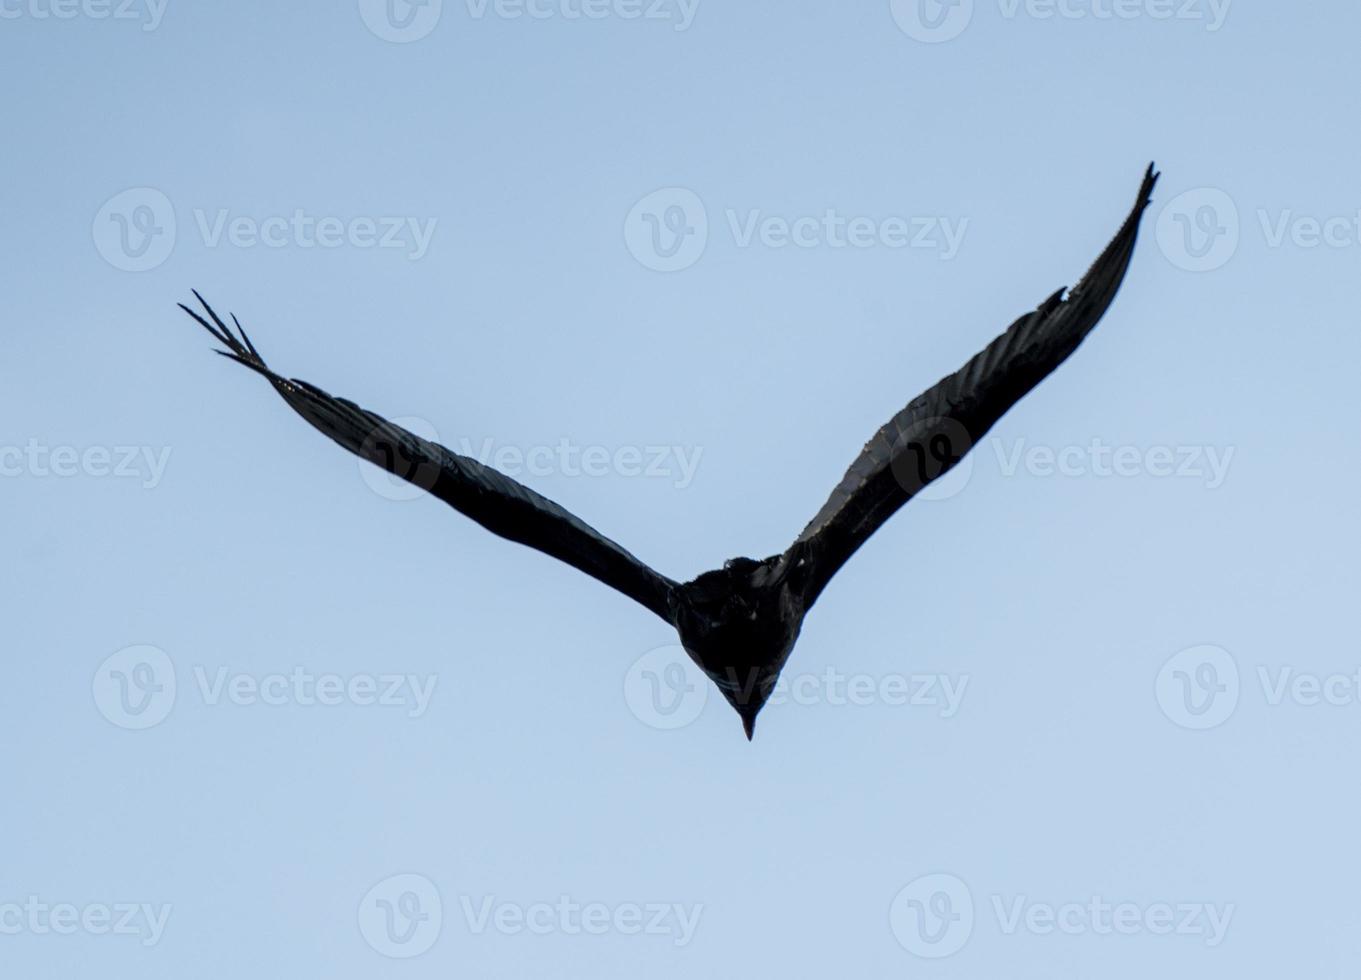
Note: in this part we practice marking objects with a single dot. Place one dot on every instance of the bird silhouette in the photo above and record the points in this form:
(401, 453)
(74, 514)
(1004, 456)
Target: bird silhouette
(739, 623)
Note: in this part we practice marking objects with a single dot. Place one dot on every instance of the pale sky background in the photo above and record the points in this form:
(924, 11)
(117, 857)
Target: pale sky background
(276, 839)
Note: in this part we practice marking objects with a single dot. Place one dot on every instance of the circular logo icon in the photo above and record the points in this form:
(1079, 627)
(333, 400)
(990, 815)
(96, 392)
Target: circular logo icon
(401, 21)
(400, 473)
(135, 230)
(1199, 230)
(931, 458)
(933, 916)
(668, 230)
(401, 917)
(665, 689)
(135, 687)
(1198, 688)
(932, 21)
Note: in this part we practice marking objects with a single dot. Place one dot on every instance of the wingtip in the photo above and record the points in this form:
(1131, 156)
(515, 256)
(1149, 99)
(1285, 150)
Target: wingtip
(1151, 176)
(1112, 263)
(240, 350)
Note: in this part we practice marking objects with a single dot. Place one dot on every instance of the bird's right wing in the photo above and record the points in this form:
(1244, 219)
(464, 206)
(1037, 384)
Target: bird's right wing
(928, 437)
(500, 504)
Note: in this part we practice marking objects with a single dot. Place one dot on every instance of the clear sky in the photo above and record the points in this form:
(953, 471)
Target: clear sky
(1090, 711)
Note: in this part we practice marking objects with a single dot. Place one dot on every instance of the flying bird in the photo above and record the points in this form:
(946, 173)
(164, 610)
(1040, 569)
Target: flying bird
(739, 622)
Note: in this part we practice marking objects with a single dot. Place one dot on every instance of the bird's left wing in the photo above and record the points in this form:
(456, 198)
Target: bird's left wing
(491, 498)
(928, 437)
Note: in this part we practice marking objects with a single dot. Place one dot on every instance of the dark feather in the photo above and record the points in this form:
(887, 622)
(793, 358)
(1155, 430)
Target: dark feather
(929, 437)
(491, 498)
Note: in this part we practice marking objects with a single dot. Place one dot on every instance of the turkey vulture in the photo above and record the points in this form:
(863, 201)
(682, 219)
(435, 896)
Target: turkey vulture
(739, 622)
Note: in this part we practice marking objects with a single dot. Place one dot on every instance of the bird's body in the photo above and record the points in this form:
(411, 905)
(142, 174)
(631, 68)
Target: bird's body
(739, 623)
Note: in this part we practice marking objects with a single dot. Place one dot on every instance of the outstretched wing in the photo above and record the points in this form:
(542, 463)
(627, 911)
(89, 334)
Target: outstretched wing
(927, 438)
(491, 498)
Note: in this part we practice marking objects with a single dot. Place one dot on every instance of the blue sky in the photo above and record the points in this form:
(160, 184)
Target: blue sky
(1084, 711)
